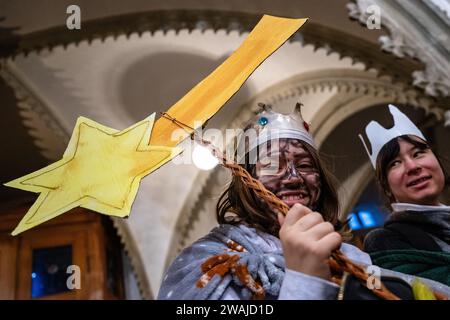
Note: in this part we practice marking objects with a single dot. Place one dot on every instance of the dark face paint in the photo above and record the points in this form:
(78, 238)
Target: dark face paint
(288, 170)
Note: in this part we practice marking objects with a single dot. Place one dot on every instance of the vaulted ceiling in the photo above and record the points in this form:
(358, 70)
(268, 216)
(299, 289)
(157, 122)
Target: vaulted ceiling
(133, 58)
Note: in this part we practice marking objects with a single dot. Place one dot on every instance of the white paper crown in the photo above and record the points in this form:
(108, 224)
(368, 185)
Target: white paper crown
(270, 125)
(378, 136)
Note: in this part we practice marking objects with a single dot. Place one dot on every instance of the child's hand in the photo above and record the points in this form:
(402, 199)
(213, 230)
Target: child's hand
(307, 241)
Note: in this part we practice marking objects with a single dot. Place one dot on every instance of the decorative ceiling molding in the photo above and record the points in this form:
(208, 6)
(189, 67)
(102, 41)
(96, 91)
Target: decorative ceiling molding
(312, 33)
(47, 134)
(353, 83)
(131, 249)
(417, 30)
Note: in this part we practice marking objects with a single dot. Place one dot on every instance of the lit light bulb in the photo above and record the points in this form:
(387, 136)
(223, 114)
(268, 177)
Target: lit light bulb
(203, 158)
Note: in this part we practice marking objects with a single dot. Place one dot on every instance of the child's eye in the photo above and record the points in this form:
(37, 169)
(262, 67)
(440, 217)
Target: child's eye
(394, 163)
(306, 167)
(418, 153)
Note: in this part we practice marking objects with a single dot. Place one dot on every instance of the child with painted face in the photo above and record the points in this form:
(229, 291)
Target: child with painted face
(255, 253)
(416, 237)
(291, 170)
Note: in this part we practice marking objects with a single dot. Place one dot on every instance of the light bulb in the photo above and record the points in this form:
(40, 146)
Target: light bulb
(203, 158)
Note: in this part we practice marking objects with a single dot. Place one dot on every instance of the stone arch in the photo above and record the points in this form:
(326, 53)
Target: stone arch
(356, 90)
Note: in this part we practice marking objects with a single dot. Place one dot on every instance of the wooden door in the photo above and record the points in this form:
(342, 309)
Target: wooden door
(8, 258)
(71, 240)
(33, 265)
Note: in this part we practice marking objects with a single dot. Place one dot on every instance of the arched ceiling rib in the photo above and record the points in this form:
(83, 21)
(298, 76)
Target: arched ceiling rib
(318, 35)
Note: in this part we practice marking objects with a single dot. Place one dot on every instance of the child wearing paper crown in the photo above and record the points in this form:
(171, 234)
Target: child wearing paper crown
(254, 253)
(415, 239)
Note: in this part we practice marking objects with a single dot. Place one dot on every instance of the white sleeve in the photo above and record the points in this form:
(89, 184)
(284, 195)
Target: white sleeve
(300, 286)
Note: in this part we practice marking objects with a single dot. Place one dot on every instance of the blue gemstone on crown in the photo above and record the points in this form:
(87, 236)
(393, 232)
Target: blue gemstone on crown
(263, 121)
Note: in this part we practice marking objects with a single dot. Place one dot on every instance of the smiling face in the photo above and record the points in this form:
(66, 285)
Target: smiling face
(415, 175)
(288, 170)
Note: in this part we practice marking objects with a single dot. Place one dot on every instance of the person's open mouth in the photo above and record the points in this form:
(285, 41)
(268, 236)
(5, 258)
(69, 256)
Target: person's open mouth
(292, 197)
(418, 182)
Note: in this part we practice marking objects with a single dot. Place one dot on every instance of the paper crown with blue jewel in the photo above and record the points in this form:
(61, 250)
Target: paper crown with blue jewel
(378, 136)
(269, 125)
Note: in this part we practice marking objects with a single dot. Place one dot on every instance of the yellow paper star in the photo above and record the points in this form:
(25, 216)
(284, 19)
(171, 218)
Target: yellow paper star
(100, 170)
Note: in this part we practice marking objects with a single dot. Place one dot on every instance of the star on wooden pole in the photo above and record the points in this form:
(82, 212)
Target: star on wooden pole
(102, 167)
